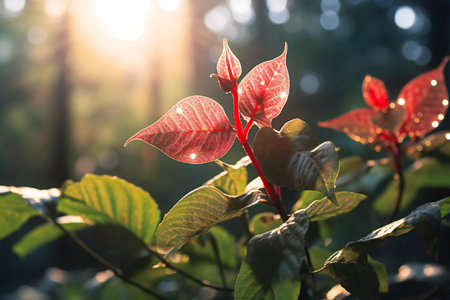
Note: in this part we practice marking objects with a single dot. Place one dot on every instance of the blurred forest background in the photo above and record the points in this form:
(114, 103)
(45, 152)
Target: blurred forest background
(77, 78)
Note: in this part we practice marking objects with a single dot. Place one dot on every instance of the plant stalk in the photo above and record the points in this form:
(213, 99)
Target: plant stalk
(119, 273)
(396, 153)
(213, 242)
(184, 273)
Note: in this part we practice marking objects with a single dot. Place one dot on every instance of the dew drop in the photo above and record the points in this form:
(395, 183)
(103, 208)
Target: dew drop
(435, 124)
(392, 105)
(275, 73)
(283, 95)
(262, 82)
(239, 91)
(401, 101)
(192, 156)
(441, 117)
(179, 110)
(428, 143)
(447, 136)
(445, 102)
(433, 82)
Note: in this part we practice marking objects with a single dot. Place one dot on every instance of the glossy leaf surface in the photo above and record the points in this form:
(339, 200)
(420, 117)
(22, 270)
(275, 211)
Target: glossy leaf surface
(292, 158)
(424, 173)
(374, 92)
(106, 199)
(271, 269)
(196, 130)
(43, 234)
(357, 124)
(424, 101)
(197, 212)
(14, 212)
(264, 90)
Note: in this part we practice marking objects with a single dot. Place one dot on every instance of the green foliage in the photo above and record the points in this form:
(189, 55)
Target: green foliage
(106, 199)
(323, 209)
(197, 212)
(271, 269)
(14, 212)
(233, 179)
(200, 248)
(42, 235)
(350, 267)
(264, 222)
(292, 158)
(424, 173)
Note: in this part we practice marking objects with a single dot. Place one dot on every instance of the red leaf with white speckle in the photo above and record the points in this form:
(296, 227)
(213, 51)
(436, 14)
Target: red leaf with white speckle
(357, 124)
(264, 90)
(425, 101)
(196, 130)
(374, 92)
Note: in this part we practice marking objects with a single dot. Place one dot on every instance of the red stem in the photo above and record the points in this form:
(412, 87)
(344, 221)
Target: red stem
(242, 137)
(396, 153)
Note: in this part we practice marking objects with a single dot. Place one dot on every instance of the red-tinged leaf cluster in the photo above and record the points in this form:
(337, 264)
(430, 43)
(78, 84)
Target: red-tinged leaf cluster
(264, 90)
(419, 108)
(196, 130)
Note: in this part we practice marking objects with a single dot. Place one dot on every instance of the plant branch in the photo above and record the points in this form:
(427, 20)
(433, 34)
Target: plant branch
(213, 242)
(119, 273)
(182, 272)
(396, 153)
(310, 267)
(247, 128)
(248, 149)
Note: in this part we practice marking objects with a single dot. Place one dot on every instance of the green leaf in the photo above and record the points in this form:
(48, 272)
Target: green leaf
(197, 212)
(200, 249)
(349, 266)
(306, 199)
(293, 159)
(106, 199)
(14, 212)
(436, 144)
(271, 269)
(233, 180)
(44, 201)
(44, 234)
(357, 277)
(323, 209)
(424, 173)
(382, 275)
(264, 222)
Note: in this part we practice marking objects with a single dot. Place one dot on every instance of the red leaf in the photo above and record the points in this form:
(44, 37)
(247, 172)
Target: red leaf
(264, 91)
(357, 124)
(374, 92)
(425, 99)
(196, 130)
(223, 66)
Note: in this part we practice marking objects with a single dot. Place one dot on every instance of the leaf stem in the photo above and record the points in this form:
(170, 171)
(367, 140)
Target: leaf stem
(396, 153)
(310, 267)
(213, 242)
(119, 273)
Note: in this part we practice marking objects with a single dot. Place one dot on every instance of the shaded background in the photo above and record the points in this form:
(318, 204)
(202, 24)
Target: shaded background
(77, 78)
